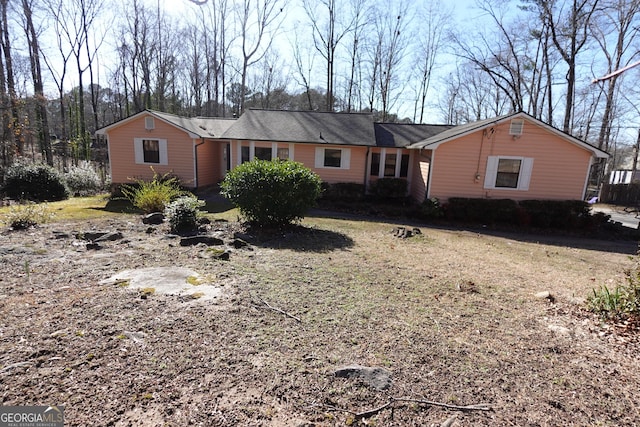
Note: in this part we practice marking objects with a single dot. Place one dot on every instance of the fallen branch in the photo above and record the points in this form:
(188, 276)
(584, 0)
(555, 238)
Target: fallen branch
(276, 309)
(375, 411)
(15, 365)
(476, 407)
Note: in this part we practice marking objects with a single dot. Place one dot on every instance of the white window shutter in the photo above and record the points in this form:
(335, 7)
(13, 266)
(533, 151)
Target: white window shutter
(345, 162)
(491, 172)
(137, 148)
(164, 158)
(319, 157)
(525, 173)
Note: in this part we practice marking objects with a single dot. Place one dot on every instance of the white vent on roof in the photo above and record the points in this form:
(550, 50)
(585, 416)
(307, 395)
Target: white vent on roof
(149, 123)
(516, 127)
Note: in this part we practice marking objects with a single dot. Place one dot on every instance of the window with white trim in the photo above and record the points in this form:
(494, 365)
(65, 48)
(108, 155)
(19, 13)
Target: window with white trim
(334, 158)
(390, 165)
(245, 155)
(262, 153)
(150, 151)
(508, 173)
(283, 153)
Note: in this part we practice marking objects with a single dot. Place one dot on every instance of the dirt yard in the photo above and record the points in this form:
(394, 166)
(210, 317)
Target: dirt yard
(451, 315)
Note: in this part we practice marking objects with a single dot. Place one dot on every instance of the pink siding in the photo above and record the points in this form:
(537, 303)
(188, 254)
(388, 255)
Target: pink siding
(305, 154)
(209, 157)
(418, 189)
(559, 168)
(122, 156)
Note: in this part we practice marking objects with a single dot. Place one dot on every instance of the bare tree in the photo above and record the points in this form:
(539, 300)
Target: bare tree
(568, 22)
(389, 52)
(328, 32)
(270, 83)
(359, 24)
(216, 39)
(58, 70)
(303, 67)
(435, 26)
(471, 95)
(258, 20)
(42, 122)
(619, 21)
(12, 129)
(75, 20)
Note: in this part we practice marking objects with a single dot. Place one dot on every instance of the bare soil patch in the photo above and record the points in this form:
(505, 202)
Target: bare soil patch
(451, 314)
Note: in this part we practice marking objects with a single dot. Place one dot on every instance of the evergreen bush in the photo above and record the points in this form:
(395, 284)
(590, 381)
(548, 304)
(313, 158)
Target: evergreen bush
(36, 182)
(431, 209)
(183, 214)
(389, 188)
(348, 191)
(83, 180)
(272, 193)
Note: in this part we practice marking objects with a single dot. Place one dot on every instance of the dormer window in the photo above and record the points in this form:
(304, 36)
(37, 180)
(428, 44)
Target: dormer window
(149, 123)
(516, 127)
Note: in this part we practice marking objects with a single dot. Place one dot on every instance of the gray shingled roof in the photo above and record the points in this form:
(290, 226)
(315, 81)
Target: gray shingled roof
(304, 126)
(400, 135)
(205, 127)
(455, 131)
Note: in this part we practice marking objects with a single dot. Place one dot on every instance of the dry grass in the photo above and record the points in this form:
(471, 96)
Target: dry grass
(451, 313)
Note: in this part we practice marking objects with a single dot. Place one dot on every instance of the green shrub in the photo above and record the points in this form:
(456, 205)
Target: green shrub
(272, 193)
(83, 179)
(21, 217)
(343, 191)
(561, 214)
(621, 303)
(389, 188)
(35, 182)
(183, 214)
(431, 209)
(485, 211)
(154, 195)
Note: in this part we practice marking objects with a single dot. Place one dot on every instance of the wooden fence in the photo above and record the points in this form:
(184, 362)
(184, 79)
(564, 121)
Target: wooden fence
(621, 194)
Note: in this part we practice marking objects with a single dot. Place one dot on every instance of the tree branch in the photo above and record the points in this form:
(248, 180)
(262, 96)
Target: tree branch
(270, 307)
(393, 400)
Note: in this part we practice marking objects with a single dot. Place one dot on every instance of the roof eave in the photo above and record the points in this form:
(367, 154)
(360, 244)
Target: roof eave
(435, 142)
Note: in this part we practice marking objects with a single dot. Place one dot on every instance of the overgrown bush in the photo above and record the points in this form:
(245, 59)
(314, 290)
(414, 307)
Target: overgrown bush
(21, 217)
(154, 195)
(389, 188)
(183, 213)
(621, 303)
(83, 179)
(36, 182)
(339, 191)
(431, 209)
(272, 193)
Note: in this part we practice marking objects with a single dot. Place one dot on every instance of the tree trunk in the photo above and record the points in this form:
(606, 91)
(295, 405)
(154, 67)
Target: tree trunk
(42, 121)
(14, 122)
